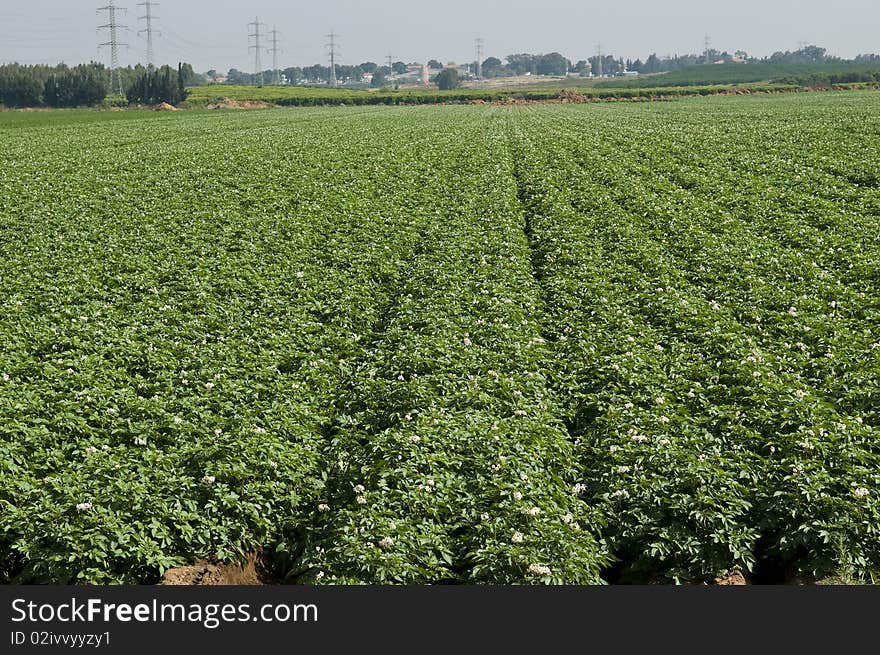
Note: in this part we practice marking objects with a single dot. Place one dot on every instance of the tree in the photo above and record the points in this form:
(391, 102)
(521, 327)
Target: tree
(235, 76)
(813, 54)
(78, 87)
(181, 81)
(808, 55)
(434, 64)
(158, 85)
(379, 79)
(492, 67)
(447, 79)
(398, 67)
(608, 66)
(522, 64)
(347, 73)
(189, 76)
(20, 86)
(369, 67)
(552, 64)
(316, 73)
(294, 74)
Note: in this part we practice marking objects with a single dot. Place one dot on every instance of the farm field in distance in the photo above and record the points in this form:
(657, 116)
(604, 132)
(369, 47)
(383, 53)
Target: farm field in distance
(580, 344)
(305, 96)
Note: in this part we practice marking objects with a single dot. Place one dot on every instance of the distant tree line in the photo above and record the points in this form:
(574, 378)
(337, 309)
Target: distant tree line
(89, 84)
(551, 64)
(316, 74)
(556, 64)
(83, 85)
(810, 54)
(53, 86)
(158, 85)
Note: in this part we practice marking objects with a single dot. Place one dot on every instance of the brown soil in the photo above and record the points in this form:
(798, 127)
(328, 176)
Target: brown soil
(164, 106)
(735, 579)
(229, 103)
(215, 574)
(572, 96)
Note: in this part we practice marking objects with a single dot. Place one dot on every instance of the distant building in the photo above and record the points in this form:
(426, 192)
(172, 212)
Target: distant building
(463, 70)
(419, 72)
(416, 74)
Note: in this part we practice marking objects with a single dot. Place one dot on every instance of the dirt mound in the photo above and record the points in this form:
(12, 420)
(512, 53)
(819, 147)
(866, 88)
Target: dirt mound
(164, 106)
(508, 100)
(735, 579)
(214, 574)
(568, 96)
(229, 103)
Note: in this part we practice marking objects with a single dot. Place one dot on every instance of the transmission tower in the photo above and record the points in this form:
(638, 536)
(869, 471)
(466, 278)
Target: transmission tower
(707, 47)
(599, 60)
(333, 52)
(148, 30)
(390, 59)
(258, 48)
(276, 75)
(478, 44)
(113, 26)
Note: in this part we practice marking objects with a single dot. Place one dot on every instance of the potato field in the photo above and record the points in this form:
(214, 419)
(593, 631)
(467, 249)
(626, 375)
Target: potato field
(579, 344)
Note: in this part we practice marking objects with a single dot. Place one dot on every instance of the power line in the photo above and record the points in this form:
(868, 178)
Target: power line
(35, 39)
(276, 76)
(149, 18)
(257, 47)
(113, 26)
(67, 20)
(185, 41)
(334, 55)
(176, 51)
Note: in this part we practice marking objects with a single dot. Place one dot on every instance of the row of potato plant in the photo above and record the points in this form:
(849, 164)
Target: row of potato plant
(719, 312)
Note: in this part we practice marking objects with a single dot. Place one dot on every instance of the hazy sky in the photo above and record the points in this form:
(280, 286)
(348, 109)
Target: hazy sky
(213, 33)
